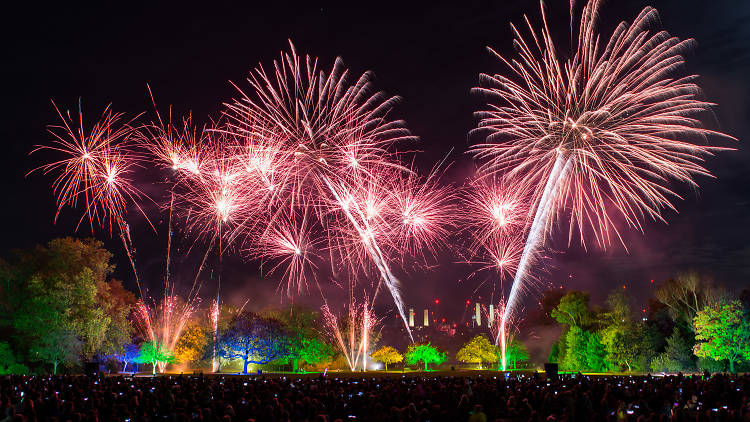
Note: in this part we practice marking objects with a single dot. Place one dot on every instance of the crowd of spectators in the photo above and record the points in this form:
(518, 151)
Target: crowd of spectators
(380, 398)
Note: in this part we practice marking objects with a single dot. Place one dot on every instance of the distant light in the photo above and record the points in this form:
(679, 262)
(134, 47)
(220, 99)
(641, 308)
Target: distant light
(468, 302)
(437, 301)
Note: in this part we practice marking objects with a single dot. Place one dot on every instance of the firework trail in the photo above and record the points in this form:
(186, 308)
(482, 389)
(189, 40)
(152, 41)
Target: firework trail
(502, 333)
(213, 317)
(97, 170)
(600, 134)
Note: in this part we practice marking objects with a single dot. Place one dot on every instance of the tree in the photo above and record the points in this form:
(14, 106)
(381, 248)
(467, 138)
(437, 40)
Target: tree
(660, 323)
(723, 332)
(678, 354)
(116, 303)
(686, 294)
(129, 354)
(478, 350)
(596, 353)
(573, 309)
(619, 335)
(62, 288)
(314, 351)
(254, 339)
(155, 353)
(425, 353)
(515, 352)
(554, 353)
(622, 343)
(548, 301)
(575, 356)
(8, 363)
(192, 344)
(386, 355)
(305, 341)
(57, 347)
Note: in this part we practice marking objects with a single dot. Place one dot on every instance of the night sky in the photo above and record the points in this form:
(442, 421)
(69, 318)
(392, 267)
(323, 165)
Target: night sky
(430, 54)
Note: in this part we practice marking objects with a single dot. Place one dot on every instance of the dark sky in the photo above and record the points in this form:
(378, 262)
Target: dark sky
(429, 53)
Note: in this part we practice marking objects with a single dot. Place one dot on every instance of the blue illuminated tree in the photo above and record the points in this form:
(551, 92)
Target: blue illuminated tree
(254, 339)
(130, 353)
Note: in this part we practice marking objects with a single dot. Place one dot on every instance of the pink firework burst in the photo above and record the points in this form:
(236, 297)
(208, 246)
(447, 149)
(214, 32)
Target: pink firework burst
(424, 212)
(597, 134)
(615, 115)
(287, 243)
(494, 210)
(320, 145)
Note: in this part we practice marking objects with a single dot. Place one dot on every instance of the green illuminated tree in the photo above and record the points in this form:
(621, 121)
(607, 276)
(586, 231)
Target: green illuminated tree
(62, 287)
(596, 353)
(723, 332)
(425, 353)
(623, 345)
(554, 352)
(576, 354)
(573, 309)
(314, 351)
(304, 338)
(620, 335)
(155, 353)
(386, 355)
(8, 363)
(478, 350)
(515, 352)
(57, 347)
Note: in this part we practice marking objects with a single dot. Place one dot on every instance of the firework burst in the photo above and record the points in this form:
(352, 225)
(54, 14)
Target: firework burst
(97, 165)
(332, 139)
(97, 169)
(599, 134)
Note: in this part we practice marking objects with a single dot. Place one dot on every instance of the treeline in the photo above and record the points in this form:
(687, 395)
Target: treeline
(59, 308)
(690, 325)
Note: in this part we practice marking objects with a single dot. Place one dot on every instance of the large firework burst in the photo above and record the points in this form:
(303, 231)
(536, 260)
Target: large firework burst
(319, 149)
(600, 134)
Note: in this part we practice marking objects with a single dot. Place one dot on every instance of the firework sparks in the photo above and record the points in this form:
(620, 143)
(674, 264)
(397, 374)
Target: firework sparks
(96, 166)
(502, 333)
(353, 333)
(288, 243)
(333, 140)
(599, 134)
(164, 323)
